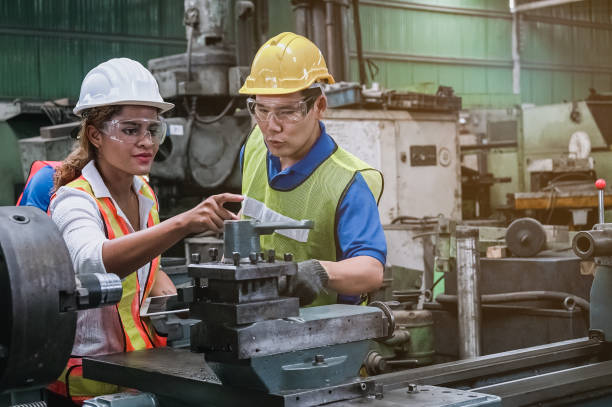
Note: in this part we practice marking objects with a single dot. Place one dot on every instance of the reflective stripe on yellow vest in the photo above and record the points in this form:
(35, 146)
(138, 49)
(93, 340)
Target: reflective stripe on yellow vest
(316, 198)
(137, 334)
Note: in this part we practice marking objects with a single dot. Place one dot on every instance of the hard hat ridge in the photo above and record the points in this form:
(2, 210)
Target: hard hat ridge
(285, 64)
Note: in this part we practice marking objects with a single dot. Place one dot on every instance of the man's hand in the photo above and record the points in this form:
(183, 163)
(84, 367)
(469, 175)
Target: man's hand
(310, 279)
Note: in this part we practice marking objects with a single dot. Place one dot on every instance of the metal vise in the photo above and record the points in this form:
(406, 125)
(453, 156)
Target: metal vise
(596, 245)
(253, 337)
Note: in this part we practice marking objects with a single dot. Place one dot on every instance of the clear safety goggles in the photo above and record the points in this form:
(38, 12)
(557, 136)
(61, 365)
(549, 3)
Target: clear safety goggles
(131, 131)
(284, 112)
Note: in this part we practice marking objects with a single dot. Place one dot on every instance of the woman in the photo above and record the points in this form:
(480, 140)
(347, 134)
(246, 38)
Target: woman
(108, 214)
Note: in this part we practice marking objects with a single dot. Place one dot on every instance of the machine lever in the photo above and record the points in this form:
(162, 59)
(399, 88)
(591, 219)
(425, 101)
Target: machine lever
(600, 184)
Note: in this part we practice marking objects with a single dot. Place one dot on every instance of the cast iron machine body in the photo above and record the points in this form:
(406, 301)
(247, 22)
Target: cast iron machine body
(253, 337)
(596, 245)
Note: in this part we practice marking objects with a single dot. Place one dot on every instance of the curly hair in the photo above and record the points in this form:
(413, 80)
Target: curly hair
(83, 151)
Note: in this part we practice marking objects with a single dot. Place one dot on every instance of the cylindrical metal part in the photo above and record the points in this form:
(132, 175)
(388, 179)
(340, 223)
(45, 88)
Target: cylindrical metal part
(212, 15)
(97, 289)
(592, 243)
(414, 333)
(600, 195)
(525, 237)
(319, 33)
(301, 10)
(35, 270)
(468, 293)
(331, 57)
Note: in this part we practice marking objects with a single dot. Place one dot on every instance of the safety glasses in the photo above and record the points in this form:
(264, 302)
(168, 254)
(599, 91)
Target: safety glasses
(131, 131)
(284, 112)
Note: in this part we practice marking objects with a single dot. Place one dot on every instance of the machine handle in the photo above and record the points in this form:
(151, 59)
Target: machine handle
(600, 184)
(266, 228)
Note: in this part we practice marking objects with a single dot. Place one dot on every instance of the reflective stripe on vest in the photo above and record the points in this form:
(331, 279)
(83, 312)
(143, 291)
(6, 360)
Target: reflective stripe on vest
(316, 198)
(34, 168)
(137, 334)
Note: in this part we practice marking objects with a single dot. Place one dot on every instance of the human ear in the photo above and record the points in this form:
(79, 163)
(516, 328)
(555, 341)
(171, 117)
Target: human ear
(94, 136)
(320, 105)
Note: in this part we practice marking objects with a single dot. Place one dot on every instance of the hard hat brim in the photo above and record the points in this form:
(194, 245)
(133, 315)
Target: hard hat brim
(162, 106)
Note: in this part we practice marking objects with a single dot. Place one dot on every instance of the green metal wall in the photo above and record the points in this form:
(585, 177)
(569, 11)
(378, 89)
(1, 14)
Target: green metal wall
(467, 44)
(47, 46)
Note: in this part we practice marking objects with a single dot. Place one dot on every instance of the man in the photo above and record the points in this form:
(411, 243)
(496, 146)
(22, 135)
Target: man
(39, 185)
(293, 170)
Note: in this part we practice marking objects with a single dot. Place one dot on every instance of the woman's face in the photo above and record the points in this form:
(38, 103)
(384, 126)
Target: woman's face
(129, 141)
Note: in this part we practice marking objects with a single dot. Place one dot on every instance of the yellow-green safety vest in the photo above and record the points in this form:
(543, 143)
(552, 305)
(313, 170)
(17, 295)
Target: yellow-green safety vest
(317, 198)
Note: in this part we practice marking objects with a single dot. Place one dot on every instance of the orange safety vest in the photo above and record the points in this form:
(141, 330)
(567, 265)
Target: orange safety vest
(137, 333)
(34, 168)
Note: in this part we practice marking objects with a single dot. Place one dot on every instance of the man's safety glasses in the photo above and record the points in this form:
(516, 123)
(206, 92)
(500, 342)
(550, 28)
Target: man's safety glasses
(131, 131)
(285, 112)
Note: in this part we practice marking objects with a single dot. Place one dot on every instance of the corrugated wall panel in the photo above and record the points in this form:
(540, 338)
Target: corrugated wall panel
(48, 45)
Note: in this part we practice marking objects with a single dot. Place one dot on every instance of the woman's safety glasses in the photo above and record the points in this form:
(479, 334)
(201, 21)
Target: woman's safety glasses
(131, 131)
(284, 112)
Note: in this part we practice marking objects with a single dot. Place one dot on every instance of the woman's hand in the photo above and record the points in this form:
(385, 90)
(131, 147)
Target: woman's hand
(210, 213)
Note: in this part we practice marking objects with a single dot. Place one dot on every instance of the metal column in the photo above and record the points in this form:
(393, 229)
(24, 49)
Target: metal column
(468, 293)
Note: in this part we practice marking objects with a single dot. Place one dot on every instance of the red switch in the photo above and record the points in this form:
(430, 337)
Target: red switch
(600, 183)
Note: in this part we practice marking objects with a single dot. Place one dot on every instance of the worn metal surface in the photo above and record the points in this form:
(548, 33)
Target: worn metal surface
(229, 272)
(315, 327)
(301, 369)
(183, 376)
(556, 387)
(35, 268)
(424, 396)
(468, 294)
(246, 313)
(383, 139)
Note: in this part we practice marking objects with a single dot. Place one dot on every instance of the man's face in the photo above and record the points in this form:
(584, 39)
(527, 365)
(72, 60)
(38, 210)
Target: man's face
(289, 127)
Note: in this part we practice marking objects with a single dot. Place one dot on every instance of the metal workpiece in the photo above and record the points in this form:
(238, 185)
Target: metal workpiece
(594, 243)
(468, 293)
(92, 291)
(315, 327)
(525, 237)
(245, 313)
(35, 269)
(242, 236)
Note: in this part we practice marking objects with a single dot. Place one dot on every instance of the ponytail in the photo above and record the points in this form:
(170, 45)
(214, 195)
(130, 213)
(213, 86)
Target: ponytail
(83, 151)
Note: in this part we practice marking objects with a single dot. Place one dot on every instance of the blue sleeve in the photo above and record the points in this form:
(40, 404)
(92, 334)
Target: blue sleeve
(242, 157)
(39, 190)
(360, 232)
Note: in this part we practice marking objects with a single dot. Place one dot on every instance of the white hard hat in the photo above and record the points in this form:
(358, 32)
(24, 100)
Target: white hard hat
(120, 81)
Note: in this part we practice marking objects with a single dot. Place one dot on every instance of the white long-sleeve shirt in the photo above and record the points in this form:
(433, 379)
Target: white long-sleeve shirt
(78, 218)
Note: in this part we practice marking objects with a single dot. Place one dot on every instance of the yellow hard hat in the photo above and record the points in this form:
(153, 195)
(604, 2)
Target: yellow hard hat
(285, 64)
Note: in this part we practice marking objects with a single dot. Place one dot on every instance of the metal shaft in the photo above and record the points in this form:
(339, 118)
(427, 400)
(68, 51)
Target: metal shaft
(468, 293)
(600, 194)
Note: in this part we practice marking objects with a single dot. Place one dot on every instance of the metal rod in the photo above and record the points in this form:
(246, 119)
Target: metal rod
(600, 195)
(357, 22)
(534, 5)
(468, 293)
(329, 39)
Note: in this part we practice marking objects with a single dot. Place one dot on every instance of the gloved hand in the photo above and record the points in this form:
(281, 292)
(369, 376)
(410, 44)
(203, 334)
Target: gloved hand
(306, 284)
